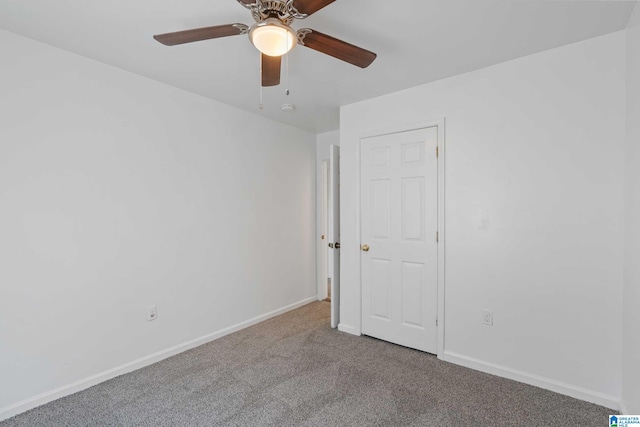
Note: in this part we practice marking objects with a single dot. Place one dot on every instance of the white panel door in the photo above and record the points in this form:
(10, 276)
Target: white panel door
(334, 232)
(399, 221)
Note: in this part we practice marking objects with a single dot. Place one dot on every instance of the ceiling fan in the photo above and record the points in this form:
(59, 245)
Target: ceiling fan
(273, 36)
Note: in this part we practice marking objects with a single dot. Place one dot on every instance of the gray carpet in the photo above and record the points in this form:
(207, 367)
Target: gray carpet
(293, 370)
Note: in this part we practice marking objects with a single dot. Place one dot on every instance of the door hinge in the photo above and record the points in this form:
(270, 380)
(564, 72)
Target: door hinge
(437, 152)
(437, 236)
(436, 321)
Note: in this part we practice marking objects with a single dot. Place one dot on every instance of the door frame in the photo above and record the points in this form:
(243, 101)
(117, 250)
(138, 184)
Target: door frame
(322, 279)
(440, 125)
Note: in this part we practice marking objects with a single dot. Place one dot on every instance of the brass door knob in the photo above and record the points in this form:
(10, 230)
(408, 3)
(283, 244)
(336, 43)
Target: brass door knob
(365, 248)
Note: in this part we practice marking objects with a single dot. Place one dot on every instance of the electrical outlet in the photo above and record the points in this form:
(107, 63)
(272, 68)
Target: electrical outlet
(152, 312)
(487, 317)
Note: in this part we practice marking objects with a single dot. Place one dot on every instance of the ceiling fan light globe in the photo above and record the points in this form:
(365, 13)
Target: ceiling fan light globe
(272, 37)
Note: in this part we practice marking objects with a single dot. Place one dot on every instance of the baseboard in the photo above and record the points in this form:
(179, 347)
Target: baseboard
(623, 409)
(534, 380)
(346, 328)
(41, 399)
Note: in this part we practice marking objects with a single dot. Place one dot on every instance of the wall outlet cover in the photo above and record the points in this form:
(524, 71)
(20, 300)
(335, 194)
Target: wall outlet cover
(487, 317)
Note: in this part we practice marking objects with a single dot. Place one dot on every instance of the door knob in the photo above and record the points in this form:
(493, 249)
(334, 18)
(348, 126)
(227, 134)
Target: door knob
(331, 245)
(365, 248)
(337, 245)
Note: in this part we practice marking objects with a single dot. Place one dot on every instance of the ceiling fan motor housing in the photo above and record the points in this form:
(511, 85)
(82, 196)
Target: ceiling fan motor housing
(285, 11)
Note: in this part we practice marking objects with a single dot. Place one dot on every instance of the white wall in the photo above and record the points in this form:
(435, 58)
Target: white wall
(631, 324)
(323, 142)
(534, 213)
(118, 192)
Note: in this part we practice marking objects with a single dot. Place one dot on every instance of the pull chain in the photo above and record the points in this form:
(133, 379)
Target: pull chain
(261, 105)
(286, 71)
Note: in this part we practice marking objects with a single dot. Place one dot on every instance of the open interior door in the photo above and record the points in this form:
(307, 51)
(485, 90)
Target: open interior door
(334, 232)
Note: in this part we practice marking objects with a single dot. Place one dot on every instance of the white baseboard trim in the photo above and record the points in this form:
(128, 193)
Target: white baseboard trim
(534, 380)
(346, 328)
(49, 396)
(623, 409)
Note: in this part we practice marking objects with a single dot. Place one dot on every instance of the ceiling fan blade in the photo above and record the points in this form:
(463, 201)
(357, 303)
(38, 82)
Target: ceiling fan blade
(337, 48)
(270, 67)
(308, 7)
(198, 34)
(248, 3)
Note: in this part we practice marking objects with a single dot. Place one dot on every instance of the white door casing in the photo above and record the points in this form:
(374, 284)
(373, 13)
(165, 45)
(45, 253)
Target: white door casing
(334, 232)
(399, 223)
(324, 231)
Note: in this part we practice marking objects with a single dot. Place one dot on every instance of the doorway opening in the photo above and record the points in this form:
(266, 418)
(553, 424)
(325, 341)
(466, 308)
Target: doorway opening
(324, 291)
(328, 255)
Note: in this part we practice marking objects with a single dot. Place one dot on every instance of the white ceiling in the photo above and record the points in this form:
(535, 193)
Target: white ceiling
(417, 41)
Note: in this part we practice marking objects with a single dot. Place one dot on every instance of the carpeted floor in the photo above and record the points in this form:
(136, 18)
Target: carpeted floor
(294, 370)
